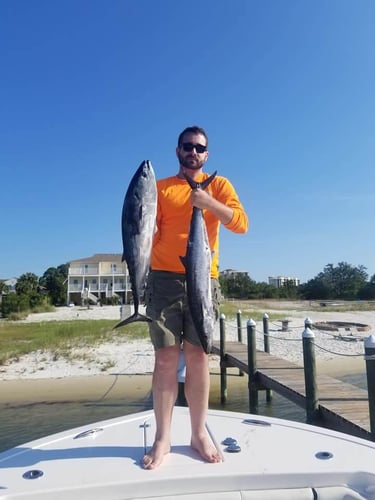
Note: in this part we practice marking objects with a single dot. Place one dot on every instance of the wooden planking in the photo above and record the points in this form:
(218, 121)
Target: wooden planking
(342, 406)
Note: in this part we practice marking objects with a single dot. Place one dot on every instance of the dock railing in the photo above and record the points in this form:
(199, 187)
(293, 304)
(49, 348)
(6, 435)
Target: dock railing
(311, 397)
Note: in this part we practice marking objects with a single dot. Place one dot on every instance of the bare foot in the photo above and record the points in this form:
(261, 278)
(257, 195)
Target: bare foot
(155, 456)
(203, 445)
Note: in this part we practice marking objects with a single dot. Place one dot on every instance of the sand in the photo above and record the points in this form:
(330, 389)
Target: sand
(109, 365)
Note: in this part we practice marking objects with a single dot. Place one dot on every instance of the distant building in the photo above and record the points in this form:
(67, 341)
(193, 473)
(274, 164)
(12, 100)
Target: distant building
(10, 284)
(10, 287)
(228, 273)
(97, 277)
(281, 281)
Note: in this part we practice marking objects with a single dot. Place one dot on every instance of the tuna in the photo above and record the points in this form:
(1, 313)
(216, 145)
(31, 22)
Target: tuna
(138, 228)
(197, 263)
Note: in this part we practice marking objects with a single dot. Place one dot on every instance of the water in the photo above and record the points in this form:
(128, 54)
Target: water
(22, 423)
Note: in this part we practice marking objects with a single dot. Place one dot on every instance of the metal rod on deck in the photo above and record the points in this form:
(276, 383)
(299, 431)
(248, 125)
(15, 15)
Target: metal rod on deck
(251, 360)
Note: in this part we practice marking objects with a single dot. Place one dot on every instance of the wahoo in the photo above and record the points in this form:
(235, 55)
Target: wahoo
(197, 263)
(138, 227)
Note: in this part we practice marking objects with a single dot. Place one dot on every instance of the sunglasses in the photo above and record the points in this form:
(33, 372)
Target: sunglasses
(189, 146)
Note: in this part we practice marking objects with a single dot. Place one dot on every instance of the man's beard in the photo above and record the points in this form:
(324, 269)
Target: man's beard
(186, 162)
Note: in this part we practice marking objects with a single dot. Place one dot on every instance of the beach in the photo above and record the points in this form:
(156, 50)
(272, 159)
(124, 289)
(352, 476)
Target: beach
(113, 364)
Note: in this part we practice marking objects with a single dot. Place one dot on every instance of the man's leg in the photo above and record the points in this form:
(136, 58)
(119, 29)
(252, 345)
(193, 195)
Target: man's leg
(164, 391)
(197, 387)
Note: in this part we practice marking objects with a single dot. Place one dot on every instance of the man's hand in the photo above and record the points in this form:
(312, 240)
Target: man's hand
(203, 200)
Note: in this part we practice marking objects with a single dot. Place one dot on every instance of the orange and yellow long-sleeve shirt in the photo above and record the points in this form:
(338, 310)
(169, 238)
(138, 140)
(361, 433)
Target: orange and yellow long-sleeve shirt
(174, 213)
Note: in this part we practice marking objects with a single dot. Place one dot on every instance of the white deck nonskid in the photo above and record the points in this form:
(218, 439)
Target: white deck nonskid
(277, 457)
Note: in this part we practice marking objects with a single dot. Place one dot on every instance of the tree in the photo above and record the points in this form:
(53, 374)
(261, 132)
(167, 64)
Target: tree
(368, 291)
(27, 295)
(336, 282)
(241, 286)
(344, 280)
(314, 289)
(28, 288)
(236, 285)
(55, 282)
(3, 288)
(27, 283)
(14, 303)
(288, 290)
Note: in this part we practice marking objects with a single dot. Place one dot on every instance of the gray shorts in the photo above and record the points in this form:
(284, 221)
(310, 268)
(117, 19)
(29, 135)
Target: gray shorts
(167, 306)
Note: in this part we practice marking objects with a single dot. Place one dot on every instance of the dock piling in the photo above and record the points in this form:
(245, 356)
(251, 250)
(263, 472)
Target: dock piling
(223, 368)
(239, 335)
(339, 405)
(266, 341)
(370, 372)
(309, 366)
(251, 355)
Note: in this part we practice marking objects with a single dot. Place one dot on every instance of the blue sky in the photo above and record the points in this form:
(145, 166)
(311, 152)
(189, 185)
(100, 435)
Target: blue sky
(284, 88)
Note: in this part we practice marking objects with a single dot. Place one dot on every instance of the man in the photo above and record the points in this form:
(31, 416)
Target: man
(166, 299)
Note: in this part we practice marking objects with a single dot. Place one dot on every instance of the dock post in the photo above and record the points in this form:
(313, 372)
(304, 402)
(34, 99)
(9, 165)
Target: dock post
(309, 366)
(251, 360)
(239, 326)
(370, 371)
(239, 335)
(223, 368)
(266, 340)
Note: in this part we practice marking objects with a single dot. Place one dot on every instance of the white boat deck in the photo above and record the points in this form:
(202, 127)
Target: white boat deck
(279, 459)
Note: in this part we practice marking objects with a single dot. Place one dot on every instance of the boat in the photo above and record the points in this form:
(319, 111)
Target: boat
(263, 458)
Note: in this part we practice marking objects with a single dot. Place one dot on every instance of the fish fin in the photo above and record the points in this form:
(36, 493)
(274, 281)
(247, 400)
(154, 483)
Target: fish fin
(207, 344)
(208, 349)
(132, 319)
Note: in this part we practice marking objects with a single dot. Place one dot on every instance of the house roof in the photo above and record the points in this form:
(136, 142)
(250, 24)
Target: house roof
(9, 281)
(99, 257)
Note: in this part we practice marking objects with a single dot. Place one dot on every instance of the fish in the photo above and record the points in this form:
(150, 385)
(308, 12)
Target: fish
(197, 262)
(138, 228)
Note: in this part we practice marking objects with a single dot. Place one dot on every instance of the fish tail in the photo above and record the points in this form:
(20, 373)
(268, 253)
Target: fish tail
(208, 181)
(201, 185)
(207, 347)
(132, 319)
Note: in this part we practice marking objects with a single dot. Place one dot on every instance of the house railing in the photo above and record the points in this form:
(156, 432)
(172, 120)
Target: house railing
(94, 270)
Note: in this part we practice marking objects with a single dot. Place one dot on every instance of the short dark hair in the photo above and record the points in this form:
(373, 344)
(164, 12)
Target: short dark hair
(192, 130)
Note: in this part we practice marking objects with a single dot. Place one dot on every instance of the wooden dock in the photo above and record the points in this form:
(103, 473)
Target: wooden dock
(342, 407)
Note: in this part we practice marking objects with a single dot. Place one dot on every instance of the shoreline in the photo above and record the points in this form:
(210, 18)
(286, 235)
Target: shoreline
(88, 388)
(114, 367)
(74, 389)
